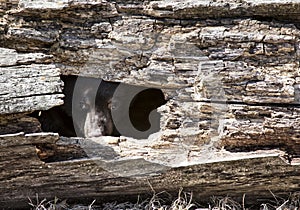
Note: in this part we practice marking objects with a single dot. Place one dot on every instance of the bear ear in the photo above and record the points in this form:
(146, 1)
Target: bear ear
(84, 104)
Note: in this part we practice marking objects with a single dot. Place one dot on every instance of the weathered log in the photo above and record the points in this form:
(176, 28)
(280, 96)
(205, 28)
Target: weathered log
(98, 178)
(229, 72)
(26, 88)
(15, 123)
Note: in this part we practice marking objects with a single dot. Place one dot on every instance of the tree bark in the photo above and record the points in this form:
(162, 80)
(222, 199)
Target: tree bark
(228, 70)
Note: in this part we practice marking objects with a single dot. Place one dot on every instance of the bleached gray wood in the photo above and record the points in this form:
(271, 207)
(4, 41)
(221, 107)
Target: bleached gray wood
(26, 85)
(229, 70)
(24, 175)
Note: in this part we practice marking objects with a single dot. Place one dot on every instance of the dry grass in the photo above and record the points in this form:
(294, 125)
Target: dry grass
(56, 204)
(278, 203)
(182, 202)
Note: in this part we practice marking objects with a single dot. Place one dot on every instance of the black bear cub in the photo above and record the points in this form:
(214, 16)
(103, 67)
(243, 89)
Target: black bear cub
(94, 107)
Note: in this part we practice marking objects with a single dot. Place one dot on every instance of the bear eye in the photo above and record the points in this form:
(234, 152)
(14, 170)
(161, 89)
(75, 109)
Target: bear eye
(83, 104)
(112, 105)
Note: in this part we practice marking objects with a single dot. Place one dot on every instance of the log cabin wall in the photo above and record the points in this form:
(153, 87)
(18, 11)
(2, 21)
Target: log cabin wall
(228, 71)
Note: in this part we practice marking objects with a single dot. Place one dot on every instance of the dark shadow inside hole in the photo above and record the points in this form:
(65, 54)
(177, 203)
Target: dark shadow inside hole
(87, 108)
(56, 120)
(142, 105)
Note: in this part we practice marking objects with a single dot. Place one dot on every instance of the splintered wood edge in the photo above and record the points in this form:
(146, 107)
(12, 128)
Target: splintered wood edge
(92, 178)
(18, 139)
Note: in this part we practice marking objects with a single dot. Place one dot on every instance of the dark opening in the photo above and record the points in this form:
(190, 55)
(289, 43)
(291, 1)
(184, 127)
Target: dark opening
(56, 120)
(142, 105)
(88, 106)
